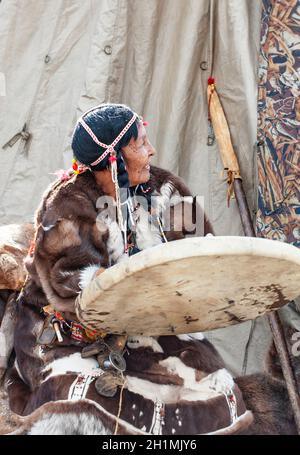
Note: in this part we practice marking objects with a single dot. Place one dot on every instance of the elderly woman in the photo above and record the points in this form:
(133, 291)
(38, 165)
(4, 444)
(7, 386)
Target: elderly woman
(171, 385)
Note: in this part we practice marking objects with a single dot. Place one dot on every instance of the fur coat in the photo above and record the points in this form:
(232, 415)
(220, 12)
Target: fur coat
(174, 384)
(73, 239)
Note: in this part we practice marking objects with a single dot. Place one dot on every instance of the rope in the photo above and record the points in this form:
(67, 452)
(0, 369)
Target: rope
(120, 406)
(231, 176)
(24, 135)
(211, 45)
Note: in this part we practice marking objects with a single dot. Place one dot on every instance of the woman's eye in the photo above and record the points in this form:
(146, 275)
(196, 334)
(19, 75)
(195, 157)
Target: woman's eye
(143, 143)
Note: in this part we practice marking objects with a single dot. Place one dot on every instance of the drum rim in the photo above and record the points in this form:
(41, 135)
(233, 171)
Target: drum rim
(204, 246)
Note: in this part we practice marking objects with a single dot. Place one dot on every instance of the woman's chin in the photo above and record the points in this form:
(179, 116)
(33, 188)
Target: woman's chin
(147, 177)
(143, 178)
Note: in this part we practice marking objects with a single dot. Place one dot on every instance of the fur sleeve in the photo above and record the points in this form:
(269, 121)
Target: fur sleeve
(66, 257)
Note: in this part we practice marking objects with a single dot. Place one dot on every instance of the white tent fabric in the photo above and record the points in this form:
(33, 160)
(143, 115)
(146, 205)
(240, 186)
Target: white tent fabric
(61, 57)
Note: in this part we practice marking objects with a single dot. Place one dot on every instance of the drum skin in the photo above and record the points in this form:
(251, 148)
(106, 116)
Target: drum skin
(191, 285)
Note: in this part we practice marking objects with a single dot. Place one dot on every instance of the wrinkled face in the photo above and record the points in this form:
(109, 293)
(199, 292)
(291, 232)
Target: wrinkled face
(137, 156)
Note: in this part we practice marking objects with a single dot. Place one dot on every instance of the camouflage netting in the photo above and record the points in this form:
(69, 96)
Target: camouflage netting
(278, 215)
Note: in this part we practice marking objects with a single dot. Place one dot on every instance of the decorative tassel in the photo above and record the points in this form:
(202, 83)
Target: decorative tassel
(210, 81)
(75, 166)
(112, 158)
(63, 175)
(114, 176)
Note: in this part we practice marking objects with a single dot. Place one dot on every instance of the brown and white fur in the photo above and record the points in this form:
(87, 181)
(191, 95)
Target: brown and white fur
(175, 370)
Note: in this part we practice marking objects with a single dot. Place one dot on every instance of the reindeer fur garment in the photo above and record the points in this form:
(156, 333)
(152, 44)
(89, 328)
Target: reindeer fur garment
(174, 385)
(73, 240)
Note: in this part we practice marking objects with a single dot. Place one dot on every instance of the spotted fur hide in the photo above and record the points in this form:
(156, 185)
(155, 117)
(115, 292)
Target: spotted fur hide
(73, 238)
(184, 374)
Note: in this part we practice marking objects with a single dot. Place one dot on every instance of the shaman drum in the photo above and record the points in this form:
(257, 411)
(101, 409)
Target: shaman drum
(190, 285)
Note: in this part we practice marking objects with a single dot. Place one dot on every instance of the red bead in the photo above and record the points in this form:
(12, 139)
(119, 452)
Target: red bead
(210, 81)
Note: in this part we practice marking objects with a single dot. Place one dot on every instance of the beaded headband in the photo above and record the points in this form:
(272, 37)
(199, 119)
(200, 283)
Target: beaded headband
(110, 149)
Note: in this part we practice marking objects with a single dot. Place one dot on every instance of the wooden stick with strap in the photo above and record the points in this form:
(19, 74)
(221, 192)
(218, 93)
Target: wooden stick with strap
(220, 127)
(230, 163)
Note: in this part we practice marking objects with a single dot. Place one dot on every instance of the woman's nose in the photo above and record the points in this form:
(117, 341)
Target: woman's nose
(151, 150)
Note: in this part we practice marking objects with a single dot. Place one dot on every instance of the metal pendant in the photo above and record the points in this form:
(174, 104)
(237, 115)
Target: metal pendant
(107, 384)
(116, 361)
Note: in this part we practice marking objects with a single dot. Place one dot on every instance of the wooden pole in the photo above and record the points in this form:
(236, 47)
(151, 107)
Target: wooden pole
(231, 165)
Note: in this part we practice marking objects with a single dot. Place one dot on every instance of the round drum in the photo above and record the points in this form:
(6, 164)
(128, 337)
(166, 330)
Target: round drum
(191, 285)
